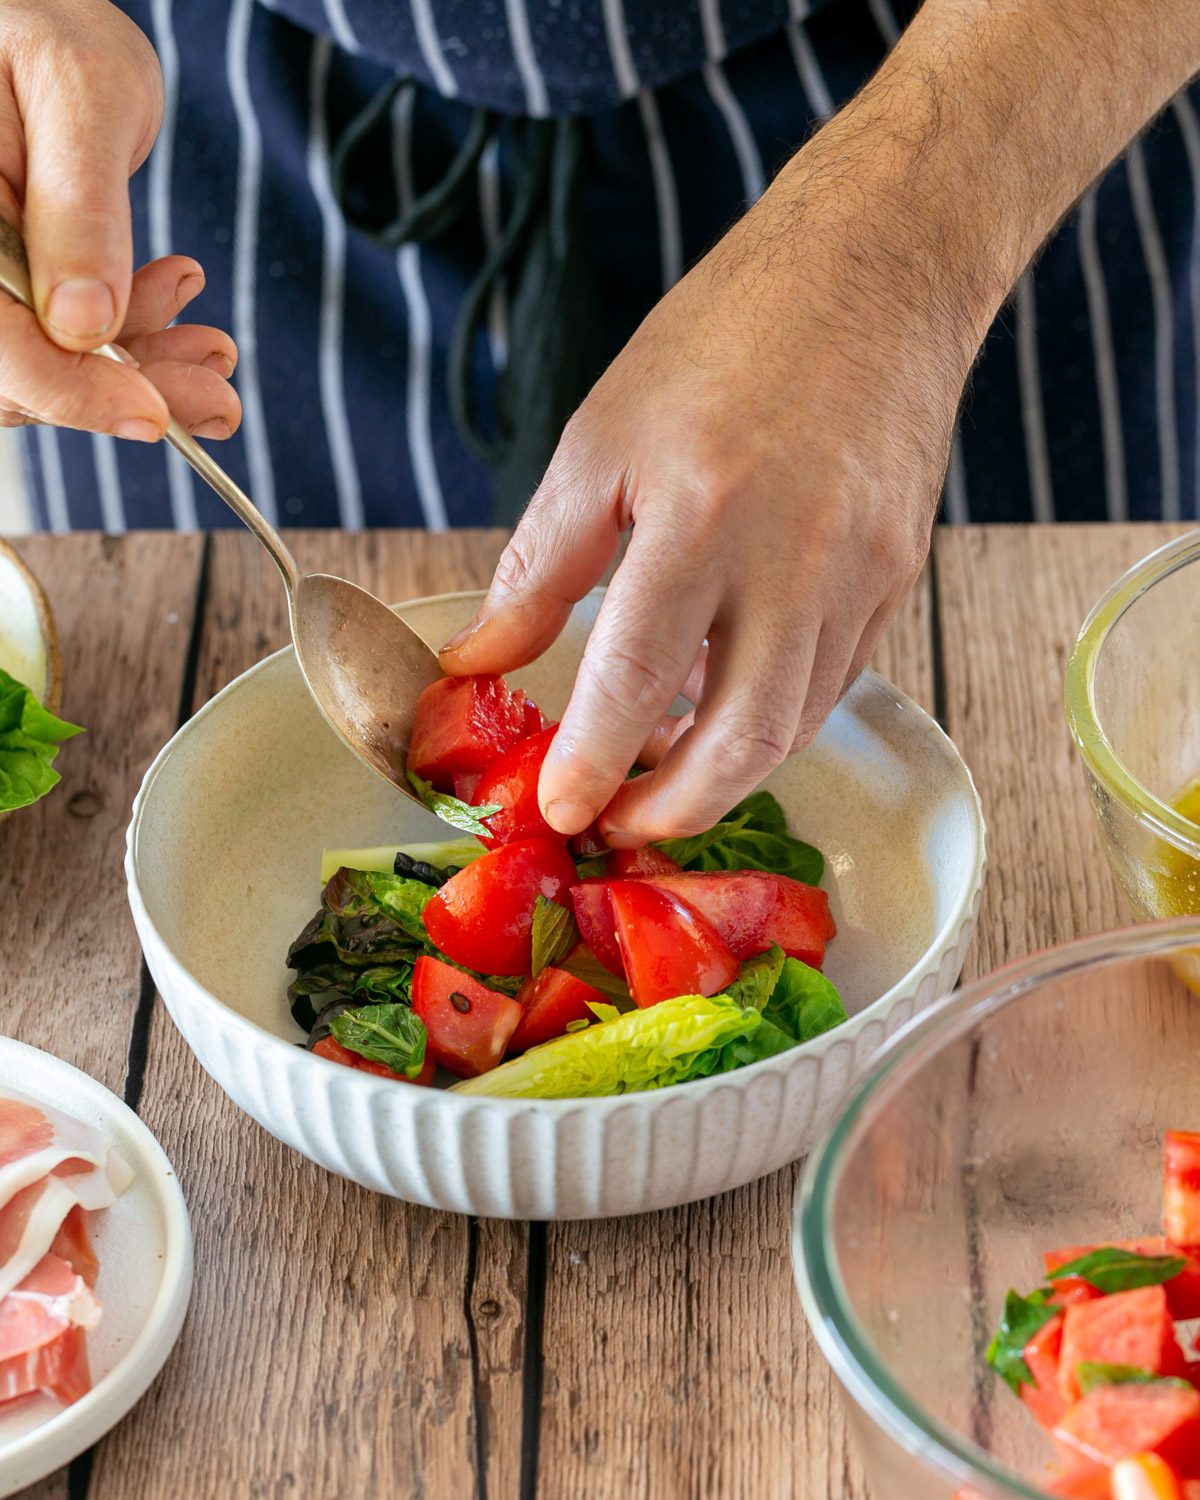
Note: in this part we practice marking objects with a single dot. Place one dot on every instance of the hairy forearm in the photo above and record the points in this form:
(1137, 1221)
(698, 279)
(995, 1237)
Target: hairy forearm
(946, 172)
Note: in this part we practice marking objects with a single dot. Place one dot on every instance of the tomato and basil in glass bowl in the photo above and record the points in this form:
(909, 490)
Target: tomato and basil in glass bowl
(592, 971)
(997, 1244)
(248, 815)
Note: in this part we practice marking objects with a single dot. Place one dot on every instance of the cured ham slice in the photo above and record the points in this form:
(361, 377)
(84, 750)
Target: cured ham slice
(42, 1327)
(49, 1163)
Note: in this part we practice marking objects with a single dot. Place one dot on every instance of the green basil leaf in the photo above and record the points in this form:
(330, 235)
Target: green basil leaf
(29, 739)
(390, 1034)
(333, 983)
(553, 933)
(1114, 1270)
(1091, 1374)
(590, 869)
(453, 810)
(1021, 1319)
(804, 1004)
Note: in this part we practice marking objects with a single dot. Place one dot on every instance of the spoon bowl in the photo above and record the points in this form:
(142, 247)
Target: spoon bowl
(364, 667)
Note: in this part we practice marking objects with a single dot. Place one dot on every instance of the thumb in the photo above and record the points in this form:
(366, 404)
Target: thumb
(560, 549)
(85, 134)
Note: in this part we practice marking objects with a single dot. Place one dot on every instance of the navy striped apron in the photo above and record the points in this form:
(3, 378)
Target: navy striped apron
(1084, 405)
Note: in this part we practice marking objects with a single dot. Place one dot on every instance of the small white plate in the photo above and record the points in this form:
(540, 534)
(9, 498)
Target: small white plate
(144, 1245)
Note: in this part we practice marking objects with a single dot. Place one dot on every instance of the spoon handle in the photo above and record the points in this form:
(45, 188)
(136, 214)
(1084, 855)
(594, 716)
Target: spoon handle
(14, 279)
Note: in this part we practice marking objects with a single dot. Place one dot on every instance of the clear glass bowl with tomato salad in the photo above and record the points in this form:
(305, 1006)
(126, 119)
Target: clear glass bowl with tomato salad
(996, 1243)
(511, 961)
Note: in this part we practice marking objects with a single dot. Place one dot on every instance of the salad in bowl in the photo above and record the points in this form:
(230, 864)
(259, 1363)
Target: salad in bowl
(512, 962)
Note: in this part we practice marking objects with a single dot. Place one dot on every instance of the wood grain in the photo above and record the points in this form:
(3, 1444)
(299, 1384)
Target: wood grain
(336, 1344)
(1011, 600)
(677, 1360)
(71, 958)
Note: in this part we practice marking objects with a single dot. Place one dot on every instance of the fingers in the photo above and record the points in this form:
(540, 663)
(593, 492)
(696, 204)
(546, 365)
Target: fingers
(85, 128)
(637, 658)
(200, 399)
(564, 542)
(40, 380)
(755, 690)
(159, 293)
(190, 344)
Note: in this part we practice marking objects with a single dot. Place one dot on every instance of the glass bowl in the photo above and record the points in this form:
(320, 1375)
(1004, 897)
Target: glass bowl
(1133, 704)
(1022, 1114)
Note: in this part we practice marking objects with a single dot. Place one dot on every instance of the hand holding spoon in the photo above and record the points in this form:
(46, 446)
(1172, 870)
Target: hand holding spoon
(364, 667)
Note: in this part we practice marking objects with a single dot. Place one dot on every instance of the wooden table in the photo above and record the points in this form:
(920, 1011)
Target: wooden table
(343, 1345)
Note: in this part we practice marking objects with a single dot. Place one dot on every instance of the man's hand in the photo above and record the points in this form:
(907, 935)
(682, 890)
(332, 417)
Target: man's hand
(776, 432)
(80, 102)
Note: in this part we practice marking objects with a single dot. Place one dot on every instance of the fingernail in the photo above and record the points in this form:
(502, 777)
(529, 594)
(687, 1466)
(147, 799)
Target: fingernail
(219, 362)
(81, 307)
(215, 427)
(189, 286)
(138, 430)
(568, 817)
(464, 635)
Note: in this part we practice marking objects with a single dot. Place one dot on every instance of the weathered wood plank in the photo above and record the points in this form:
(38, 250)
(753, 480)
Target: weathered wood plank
(334, 1347)
(1011, 601)
(677, 1360)
(72, 964)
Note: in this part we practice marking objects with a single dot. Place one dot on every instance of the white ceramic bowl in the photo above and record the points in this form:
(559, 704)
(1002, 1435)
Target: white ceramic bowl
(222, 864)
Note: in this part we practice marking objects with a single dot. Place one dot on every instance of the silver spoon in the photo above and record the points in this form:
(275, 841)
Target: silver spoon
(364, 667)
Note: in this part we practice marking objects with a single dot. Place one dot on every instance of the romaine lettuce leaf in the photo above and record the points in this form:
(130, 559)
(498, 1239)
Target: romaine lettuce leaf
(666, 1043)
(381, 860)
(754, 836)
(29, 739)
(803, 1003)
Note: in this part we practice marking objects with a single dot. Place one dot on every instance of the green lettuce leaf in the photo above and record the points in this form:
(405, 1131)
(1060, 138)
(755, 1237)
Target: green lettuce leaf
(389, 1034)
(754, 836)
(641, 1049)
(553, 934)
(29, 739)
(314, 989)
(804, 1004)
(365, 918)
(453, 810)
(758, 978)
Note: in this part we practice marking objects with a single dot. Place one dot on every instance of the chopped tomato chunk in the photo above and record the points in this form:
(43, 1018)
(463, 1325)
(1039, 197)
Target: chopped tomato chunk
(629, 864)
(332, 1050)
(1043, 1398)
(550, 1003)
(464, 785)
(668, 947)
(597, 926)
(462, 724)
(1115, 1421)
(511, 783)
(1126, 1328)
(467, 1025)
(1144, 1477)
(1181, 1186)
(752, 909)
(483, 916)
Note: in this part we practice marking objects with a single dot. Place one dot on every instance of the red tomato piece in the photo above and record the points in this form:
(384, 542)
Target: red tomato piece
(1181, 1186)
(462, 724)
(630, 864)
(668, 948)
(531, 715)
(1043, 1398)
(550, 1003)
(752, 909)
(464, 785)
(597, 926)
(467, 1025)
(511, 783)
(1116, 1421)
(1087, 1483)
(1126, 1328)
(332, 1050)
(483, 916)
(1144, 1477)
(1183, 1291)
